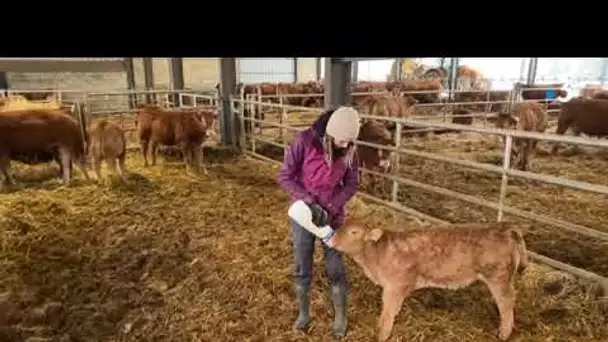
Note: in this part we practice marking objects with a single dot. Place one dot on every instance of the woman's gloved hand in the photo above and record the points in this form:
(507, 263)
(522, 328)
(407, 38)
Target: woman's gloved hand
(319, 215)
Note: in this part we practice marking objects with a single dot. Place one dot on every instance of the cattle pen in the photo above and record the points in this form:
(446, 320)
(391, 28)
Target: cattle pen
(179, 257)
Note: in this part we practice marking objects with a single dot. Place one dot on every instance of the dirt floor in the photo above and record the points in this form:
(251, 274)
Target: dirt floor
(178, 257)
(556, 202)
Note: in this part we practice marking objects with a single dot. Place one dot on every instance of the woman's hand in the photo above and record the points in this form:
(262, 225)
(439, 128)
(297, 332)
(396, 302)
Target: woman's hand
(319, 215)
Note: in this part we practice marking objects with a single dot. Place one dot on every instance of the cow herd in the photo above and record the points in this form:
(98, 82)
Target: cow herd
(31, 136)
(40, 135)
(587, 113)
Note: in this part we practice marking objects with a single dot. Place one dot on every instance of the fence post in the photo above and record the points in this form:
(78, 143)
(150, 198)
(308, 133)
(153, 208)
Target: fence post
(259, 108)
(235, 126)
(282, 115)
(395, 192)
(240, 114)
(506, 164)
(252, 107)
(180, 103)
(488, 108)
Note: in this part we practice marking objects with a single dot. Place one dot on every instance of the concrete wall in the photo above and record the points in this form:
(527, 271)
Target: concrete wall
(199, 74)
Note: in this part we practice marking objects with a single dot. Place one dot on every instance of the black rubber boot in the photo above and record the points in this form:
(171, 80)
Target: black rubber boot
(338, 296)
(304, 307)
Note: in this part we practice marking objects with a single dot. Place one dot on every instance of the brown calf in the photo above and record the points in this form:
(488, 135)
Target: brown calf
(108, 142)
(524, 116)
(171, 127)
(444, 257)
(588, 116)
(388, 105)
(46, 131)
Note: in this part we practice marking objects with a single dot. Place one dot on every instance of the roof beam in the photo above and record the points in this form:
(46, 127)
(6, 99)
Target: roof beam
(354, 59)
(12, 65)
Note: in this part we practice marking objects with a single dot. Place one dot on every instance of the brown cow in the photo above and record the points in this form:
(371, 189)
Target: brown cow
(462, 120)
(37, 96)
(423, 91)
(600, 95)
(588, 116)
(373, 158)
(590, 90)
(171, 127)
(35, 131)
(495, 101)
(34, 157)
(524, 116)
(439, 256)
(388, 105)
(108, 142)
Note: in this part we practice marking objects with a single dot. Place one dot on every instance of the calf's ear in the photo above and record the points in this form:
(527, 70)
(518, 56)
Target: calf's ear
(374, 235)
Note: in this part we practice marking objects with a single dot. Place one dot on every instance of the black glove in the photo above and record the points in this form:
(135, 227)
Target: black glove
(319, 214)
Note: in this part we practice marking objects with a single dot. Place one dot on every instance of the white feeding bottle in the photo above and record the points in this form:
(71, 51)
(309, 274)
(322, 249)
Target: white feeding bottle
(300, 212)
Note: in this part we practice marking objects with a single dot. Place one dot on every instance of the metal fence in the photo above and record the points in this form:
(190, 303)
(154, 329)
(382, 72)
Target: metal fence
(190, 99)
(505, 171)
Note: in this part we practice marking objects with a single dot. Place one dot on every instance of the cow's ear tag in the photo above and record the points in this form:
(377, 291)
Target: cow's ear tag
(551, 95)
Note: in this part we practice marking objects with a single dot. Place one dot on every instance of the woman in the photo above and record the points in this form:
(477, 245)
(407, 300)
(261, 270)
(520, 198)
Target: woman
(321, 169)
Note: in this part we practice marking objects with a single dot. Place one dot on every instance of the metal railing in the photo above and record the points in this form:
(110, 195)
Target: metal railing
(514, 95)
(191, 98)
(505, 171)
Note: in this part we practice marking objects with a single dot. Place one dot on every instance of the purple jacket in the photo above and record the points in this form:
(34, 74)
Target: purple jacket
(307, 176)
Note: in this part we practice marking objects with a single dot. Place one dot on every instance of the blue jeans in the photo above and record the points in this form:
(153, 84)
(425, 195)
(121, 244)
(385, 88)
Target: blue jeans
(304, 247)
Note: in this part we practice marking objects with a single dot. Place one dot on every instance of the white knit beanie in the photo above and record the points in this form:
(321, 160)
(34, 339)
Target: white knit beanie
(343, 124)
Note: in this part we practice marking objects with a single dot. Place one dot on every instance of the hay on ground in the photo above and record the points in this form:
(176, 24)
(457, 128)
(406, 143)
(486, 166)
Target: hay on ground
(575, 206)
(175, 257)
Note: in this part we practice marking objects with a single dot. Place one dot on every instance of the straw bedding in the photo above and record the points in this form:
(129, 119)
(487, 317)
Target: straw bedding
(555, 202)
(575, 206)
(177, 257)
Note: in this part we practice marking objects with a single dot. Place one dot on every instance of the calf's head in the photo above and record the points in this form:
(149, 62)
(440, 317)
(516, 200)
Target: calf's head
(506, 121)
(351, 238)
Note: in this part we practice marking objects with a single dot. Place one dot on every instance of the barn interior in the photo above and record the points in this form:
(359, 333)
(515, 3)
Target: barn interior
(173, 256)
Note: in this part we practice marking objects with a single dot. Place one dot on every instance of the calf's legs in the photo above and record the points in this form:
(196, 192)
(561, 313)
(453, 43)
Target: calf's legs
(121, 167)
(96, 164)
(144, 144)
(392, 300)
(66, 161)
(153, 148)
(5, 163)
(197, 155)
(504, 295)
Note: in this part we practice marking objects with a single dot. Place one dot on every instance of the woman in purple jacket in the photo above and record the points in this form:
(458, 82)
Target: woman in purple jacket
(321, 169)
